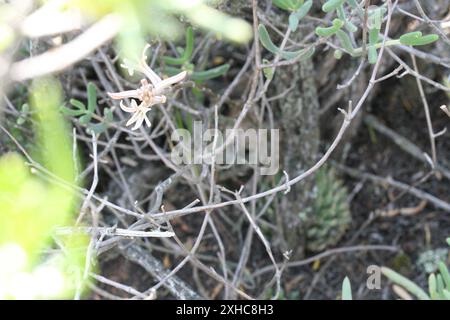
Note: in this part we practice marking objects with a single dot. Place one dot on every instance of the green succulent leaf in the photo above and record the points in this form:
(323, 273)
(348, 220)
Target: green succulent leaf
(98, 128)
(171, 71)
(85, 119)
(292, 55)
(445, 274)
(108, 115)
(348, 24)
(304, 9)
(282, 4)
(432, 286)
(329, 31)
(373, 36)
(446, 294)
(338, 54)
(408, 38)
(440, 287)
(293, 22)
(200, 75)
(269, 45)
(92, 97)
(331, 5)
(210, 73)
(417, 39)
(268, 72)
(187, 52)
(346, 290)
(299, 14)
(288, 5)
(376, 16)
(372, 51)
(265, 39)
(78, 104)
(428, 39)
(70, 112)
(345, 41)
(405, 283)
(372, 55)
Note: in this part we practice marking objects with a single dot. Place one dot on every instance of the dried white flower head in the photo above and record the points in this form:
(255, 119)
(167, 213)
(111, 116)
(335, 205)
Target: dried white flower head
(148, 93)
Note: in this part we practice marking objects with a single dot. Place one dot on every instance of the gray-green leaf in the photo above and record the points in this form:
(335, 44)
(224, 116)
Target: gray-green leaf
(346, 290)
(299, 14)
(405, 283)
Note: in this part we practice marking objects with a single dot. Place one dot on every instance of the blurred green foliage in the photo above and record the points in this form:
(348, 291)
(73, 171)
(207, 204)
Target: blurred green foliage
(31, 207)
(159, 18)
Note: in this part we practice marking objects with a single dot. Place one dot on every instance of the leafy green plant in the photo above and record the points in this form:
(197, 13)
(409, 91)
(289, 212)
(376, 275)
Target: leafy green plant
(86, 113)
(329, 215)
(186, 65)
(31, 207)
(341, 27)
(438, 283)
(429, 260)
